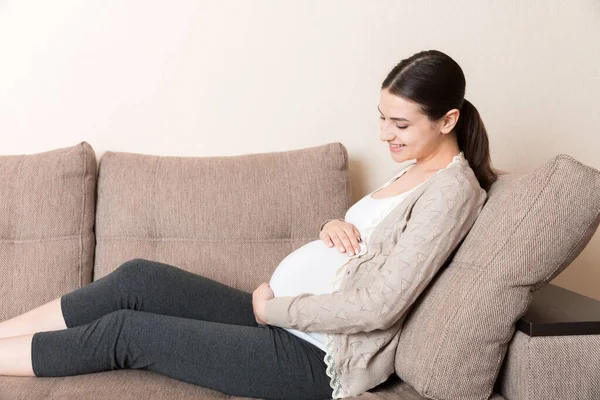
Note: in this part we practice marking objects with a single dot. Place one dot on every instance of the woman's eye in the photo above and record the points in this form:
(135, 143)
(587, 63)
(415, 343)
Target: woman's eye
(401, 127)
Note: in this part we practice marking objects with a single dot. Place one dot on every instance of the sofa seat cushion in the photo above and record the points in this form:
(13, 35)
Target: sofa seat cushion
(142, 384)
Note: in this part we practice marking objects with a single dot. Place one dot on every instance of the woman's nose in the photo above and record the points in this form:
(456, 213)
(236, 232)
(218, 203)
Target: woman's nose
(386, 132)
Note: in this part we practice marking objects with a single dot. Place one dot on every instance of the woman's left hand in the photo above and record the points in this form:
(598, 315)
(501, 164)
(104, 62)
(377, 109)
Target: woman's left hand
(259, 298)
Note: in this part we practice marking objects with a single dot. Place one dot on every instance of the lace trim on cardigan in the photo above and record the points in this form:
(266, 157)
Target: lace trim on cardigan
(334, 382)
(458, 157)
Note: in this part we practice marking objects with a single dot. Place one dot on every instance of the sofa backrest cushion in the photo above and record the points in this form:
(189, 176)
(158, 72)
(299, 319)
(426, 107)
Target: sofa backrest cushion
(230, 218)
(532, 226)
(47, 205)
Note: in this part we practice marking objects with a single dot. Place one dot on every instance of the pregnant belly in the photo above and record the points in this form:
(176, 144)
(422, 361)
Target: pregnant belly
(308, 269)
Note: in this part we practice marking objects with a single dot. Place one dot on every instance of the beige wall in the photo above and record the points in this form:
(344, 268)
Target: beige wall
(202, 78)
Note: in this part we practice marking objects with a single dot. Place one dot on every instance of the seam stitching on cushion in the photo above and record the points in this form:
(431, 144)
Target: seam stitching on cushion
(83, 198)
(527, 377)
(18, 233)
(39, 239)
(289, 193)
(155, 208)
(346, 169)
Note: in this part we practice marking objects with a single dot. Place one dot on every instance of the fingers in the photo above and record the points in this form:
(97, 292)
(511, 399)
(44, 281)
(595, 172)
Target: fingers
(344, 236)
(357, 233)
(338, 243)
(345, 243)
(351, 242)
(327, 238)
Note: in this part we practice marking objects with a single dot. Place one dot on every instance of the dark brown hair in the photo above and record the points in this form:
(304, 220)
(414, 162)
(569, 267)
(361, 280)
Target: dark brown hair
(436, 82)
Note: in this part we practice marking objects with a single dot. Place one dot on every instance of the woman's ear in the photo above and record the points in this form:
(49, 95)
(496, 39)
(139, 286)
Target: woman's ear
(450, 120)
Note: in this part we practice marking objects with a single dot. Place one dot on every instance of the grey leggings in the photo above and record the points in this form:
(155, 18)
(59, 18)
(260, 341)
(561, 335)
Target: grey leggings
(154, 316)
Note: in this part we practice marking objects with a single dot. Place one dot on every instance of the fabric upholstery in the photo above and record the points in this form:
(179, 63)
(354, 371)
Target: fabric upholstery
(552, 367)
(531, 228)
(47, 205)
(232, 219)
(141, 384)
(186, 210)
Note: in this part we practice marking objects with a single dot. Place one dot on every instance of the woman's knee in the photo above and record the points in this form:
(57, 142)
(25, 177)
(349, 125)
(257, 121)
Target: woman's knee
(123, 334)
(132, 269)
(128, 275)
(140, 275)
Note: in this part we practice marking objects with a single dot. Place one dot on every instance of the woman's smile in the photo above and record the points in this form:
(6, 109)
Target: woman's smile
(397, 148)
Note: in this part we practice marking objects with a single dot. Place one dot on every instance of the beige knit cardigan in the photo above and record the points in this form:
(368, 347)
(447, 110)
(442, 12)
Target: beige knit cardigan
(363, 317)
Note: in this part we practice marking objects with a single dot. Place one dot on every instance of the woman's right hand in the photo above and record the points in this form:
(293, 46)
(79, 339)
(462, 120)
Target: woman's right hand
(342, 235)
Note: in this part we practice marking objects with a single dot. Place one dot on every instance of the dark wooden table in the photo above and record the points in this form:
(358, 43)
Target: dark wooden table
(557, 311)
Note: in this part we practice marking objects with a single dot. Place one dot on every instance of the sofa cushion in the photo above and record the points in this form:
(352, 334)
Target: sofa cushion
(230, 218)
(141, 384)
(47, 205)
(532, 226)
(551, 367)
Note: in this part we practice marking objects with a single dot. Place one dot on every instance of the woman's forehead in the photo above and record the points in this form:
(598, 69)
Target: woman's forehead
(396, 106)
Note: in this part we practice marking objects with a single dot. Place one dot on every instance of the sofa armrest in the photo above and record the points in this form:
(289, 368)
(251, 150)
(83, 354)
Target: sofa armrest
(555, 351)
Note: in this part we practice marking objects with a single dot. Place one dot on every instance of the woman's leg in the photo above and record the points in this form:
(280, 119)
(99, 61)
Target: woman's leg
(15, 356)
(47, 317)
(143, 285)
(260, 361)
(159, 288)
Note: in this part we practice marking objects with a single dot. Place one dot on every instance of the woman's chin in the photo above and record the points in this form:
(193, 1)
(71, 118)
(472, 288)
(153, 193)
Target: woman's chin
(399, 156)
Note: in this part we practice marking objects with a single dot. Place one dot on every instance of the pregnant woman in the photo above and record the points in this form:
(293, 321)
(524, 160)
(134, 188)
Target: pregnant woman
(327, 323)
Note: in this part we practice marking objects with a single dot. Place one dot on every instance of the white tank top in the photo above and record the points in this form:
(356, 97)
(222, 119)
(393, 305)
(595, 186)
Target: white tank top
(312, 268)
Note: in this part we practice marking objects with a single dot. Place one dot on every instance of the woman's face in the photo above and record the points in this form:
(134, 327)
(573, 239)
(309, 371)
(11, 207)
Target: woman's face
(402, 122)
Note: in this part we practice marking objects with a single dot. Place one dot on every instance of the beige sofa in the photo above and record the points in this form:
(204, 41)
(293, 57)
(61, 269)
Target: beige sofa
(65, 222)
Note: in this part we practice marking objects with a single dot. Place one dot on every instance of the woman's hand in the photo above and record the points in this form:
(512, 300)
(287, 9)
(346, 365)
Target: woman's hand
(259, 297)
(343, 235)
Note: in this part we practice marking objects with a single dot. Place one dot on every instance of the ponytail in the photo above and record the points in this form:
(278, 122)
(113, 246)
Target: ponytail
(472, 139)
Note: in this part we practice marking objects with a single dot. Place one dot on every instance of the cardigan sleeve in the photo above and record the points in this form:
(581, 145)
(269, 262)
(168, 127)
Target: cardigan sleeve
(438, 222)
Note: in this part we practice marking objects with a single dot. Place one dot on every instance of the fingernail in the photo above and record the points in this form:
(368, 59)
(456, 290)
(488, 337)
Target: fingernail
(342, 249)
(330, 244)
(351, 253)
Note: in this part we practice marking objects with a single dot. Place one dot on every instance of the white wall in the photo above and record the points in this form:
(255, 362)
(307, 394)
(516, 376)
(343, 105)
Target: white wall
(202, 78)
